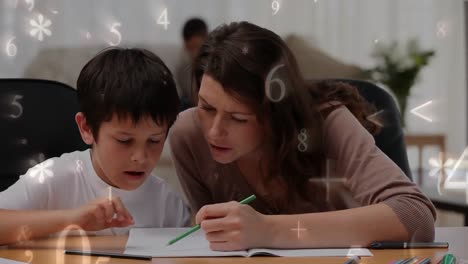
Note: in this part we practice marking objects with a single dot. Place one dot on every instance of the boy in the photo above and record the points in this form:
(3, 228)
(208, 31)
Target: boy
(128, 101)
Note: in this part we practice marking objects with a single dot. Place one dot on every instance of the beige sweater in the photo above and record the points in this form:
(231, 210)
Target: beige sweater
(361, 175)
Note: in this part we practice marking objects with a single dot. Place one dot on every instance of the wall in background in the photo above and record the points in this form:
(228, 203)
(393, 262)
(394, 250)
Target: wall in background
(345, 29)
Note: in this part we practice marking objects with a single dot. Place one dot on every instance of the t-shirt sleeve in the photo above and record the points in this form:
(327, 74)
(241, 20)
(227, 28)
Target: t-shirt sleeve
(373, 178)
(184, 151)
(30, 192)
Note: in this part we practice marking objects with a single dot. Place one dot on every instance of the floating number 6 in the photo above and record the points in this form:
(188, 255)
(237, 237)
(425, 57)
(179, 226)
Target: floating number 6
(270, 81)
(11, 48)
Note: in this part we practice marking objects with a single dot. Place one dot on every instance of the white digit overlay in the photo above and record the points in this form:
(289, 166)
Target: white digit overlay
(162, 20)
(117, 33)
(275, 5)
(17, 105)
(269, 81)
(11, 48)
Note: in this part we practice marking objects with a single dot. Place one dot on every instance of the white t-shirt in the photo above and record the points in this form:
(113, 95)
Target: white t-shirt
(70, 181)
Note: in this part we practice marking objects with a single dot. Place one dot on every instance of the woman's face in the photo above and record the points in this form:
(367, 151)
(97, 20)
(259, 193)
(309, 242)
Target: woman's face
(229, 126)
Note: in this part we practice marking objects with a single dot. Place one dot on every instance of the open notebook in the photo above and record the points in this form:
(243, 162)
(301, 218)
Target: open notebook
(152, 241)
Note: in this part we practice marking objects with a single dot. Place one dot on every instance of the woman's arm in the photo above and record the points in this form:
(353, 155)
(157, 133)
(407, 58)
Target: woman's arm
(352, 227)
(233, 226)
(373, 178)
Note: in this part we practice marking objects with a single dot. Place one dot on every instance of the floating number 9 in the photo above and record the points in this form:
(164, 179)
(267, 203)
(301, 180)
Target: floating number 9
(270, 81)
(275, 5)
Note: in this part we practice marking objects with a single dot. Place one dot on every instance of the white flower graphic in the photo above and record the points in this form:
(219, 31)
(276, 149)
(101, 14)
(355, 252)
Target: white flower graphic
(41, 168)
(439, 167)
(40, 27)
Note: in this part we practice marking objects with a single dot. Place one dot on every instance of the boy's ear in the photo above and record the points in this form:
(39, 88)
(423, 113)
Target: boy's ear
(85, 130)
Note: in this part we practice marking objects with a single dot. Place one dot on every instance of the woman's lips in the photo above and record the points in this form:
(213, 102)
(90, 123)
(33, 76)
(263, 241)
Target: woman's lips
(220, 149)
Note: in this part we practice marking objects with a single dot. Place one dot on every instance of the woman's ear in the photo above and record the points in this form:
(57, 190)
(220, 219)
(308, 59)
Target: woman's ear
(85, 130)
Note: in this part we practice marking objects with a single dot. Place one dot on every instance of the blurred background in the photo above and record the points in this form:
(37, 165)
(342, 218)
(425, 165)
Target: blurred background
(416, 50)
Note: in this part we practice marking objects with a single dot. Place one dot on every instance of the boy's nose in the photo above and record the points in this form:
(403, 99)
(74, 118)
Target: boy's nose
(139, 156)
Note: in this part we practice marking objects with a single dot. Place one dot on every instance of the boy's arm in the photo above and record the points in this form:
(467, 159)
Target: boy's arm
(97, 215)
(17, 225)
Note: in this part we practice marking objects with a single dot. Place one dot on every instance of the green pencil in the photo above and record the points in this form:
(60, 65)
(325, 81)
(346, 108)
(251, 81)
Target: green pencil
(195, 228)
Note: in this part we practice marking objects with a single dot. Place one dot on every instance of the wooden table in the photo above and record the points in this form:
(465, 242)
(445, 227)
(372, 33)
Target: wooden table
(46, 251)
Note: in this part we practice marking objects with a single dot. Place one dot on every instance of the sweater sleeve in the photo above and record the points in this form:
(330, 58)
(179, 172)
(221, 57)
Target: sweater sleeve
(373, 178)
(183, 141)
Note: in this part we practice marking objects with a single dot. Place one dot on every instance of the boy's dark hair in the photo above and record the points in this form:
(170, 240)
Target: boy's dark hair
(131, 83)
(194, 27)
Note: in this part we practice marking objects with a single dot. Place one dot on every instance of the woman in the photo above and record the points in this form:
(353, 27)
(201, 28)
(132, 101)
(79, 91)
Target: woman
(260, 129)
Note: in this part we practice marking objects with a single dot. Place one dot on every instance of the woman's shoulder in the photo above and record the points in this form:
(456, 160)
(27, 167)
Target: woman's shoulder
(185, 123)
(186, 129)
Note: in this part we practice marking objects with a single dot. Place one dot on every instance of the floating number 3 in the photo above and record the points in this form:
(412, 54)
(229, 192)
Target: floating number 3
(269, 81)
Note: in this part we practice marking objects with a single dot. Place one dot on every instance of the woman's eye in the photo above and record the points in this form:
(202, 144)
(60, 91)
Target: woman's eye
(207, 108)
(240, 120)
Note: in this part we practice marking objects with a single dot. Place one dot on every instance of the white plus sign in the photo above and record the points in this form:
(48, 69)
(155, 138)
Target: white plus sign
(328, 180)
(298, 229)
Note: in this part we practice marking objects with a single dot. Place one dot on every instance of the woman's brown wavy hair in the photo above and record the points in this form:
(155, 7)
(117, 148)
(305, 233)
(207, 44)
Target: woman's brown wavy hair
(240, 57)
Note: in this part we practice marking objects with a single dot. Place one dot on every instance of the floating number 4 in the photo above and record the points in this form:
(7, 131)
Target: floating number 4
(162, 20)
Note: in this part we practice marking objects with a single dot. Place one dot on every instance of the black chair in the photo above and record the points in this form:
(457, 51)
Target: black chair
(390, 139)
(37, 120)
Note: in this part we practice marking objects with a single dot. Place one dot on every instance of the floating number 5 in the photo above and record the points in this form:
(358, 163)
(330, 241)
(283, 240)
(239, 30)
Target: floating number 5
(18, 105)
(270, 81)
(114, 30)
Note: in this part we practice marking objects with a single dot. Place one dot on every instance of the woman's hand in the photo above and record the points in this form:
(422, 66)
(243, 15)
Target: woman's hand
(99, 214)
(233, 226)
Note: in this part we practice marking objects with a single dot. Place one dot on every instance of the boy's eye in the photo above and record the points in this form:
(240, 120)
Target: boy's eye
(123, 141)
(154, 141)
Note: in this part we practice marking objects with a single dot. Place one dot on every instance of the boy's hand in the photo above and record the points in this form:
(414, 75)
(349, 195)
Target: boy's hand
(99, 214)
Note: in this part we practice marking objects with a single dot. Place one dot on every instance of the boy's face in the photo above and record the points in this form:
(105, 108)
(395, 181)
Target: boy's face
(124, 154)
